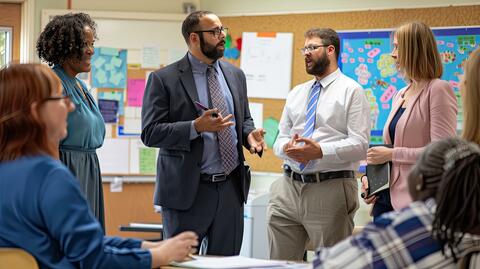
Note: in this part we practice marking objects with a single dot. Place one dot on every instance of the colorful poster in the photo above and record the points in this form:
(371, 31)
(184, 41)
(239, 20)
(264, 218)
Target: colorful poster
(109, 68)
(365, 57)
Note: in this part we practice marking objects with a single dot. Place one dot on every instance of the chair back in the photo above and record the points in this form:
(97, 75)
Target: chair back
(16, 258)
(470, 259)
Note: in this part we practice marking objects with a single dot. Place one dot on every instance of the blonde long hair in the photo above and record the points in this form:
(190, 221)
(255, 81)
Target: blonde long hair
(470, 91)
(418, 56)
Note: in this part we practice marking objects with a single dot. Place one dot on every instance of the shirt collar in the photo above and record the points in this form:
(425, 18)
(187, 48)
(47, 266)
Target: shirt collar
(330, 78)
(199, 66)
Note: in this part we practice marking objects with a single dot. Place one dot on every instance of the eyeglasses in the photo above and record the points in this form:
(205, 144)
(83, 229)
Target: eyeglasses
(65, 98)
(311, 48)
(215, 32)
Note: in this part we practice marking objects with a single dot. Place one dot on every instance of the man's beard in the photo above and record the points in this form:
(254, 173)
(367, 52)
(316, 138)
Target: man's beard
(212, 52)
(319, 66)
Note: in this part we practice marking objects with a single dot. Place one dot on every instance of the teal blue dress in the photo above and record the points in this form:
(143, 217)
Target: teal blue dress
(86, 131)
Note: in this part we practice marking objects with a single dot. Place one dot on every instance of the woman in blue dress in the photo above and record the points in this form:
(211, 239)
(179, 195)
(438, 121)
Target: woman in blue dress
(66, 44)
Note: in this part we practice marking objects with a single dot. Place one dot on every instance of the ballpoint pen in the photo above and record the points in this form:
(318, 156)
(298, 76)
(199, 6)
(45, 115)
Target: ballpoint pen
(200, 105)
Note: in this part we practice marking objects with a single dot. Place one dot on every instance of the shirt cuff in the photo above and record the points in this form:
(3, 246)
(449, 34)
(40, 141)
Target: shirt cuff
(193, 132)
(328, 152)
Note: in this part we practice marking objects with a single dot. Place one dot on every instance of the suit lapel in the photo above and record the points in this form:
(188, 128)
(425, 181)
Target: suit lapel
(402, 122)
(186, 77)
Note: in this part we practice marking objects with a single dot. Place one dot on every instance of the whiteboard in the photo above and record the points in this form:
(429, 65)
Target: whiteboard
(267, 62)
(132, 31)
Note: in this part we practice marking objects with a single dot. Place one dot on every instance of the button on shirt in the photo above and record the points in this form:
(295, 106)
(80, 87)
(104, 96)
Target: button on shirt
(211, 159)
(342, 124)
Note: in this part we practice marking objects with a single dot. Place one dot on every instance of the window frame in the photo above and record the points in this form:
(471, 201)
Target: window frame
(8, 43)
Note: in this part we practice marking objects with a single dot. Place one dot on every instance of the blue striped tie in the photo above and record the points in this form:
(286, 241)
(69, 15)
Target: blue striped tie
(310, 115)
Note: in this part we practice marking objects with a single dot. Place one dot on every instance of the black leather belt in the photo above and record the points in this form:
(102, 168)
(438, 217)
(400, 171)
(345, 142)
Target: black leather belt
(317, 177)
(213, 178)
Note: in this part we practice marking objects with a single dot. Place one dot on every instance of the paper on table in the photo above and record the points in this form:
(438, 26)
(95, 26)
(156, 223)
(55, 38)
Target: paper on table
(228, 262)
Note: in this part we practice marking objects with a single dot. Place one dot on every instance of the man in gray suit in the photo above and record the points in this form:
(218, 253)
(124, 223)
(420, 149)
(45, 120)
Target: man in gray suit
(202, 182)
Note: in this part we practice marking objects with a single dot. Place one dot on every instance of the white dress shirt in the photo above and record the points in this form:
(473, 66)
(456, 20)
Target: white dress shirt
(342, 124)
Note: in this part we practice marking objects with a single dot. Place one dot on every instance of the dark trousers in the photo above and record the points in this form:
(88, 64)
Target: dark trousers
(382, 205)
(216, 216)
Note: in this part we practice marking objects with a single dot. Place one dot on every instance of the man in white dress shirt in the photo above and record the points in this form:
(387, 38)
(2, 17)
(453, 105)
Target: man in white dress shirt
(324, 133)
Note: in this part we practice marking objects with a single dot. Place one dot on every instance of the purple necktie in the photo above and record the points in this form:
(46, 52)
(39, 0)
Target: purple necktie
(225, 136)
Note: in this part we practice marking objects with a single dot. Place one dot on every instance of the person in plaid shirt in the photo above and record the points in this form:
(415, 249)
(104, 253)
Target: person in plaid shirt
(434, 230)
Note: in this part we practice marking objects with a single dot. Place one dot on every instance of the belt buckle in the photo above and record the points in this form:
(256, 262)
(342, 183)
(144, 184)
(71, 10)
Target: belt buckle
(218, 177)
(317, 178)
(302, 177)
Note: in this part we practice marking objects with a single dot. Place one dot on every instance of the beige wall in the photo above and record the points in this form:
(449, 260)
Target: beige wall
(251, 7)
(235, 7)
(156, 6)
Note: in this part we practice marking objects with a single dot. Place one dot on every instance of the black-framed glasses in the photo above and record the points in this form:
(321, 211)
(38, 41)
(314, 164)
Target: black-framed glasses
(65, 98)
(311, 48)
(215, 32)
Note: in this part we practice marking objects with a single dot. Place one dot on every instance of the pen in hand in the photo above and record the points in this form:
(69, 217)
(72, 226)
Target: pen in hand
(200, 105)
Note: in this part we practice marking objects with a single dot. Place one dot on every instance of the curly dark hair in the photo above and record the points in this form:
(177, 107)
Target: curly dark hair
(450, 169)
(64, 38)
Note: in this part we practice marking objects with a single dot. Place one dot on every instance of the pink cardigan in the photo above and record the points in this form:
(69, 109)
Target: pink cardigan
(431, 115)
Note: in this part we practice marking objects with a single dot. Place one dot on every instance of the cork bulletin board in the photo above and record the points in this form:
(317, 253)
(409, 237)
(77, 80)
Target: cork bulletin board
(340, 21)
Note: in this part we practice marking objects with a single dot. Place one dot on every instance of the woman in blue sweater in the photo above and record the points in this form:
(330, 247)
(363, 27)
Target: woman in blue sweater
(42, 208)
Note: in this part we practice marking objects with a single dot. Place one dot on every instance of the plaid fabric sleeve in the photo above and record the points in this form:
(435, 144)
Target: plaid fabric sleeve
(397, 240)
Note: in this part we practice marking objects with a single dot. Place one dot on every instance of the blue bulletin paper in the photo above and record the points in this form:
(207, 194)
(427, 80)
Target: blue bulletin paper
(114, 95)
(365, 57)
(109, 110)
(109, 68)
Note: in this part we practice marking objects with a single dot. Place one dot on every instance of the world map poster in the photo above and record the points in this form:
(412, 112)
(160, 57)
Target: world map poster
(365, 57)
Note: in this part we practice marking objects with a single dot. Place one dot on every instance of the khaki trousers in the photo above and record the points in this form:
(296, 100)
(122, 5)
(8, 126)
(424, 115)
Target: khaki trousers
(304, 216)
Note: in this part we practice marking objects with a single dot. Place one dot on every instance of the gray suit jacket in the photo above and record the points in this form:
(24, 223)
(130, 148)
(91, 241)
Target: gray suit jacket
(167, 112)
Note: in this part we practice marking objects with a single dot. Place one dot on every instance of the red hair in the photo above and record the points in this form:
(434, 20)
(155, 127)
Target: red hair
(22, 133)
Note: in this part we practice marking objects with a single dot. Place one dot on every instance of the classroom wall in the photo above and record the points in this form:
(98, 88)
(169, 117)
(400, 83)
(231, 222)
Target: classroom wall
(156, 6)
(227, 8)
(253, 7)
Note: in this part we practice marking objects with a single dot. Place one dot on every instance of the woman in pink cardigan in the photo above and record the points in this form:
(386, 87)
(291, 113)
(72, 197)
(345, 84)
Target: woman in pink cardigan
(422, 112)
